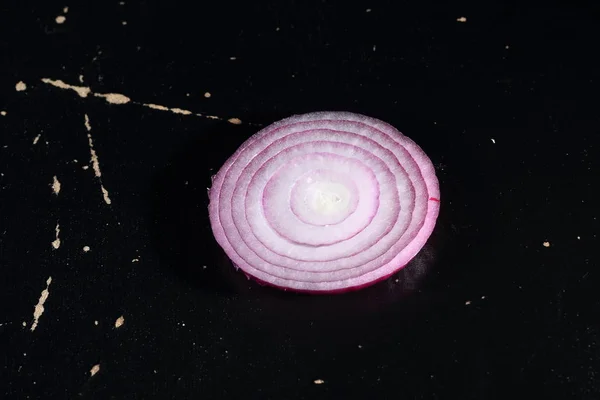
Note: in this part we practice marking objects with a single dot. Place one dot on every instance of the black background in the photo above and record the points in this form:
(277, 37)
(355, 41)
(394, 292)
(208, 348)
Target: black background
(484, 311)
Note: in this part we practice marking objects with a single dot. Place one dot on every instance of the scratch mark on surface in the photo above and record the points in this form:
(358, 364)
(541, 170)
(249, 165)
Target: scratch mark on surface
(56, 242)
(37, 138)
(55, 185)
(113, 98)
(119, 99)
(39, 307)
(82, 91)
(94, 369)
(119, 322)
(21, 86)
(95, 161)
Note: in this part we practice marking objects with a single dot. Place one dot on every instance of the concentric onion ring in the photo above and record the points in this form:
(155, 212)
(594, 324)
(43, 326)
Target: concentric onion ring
(324, 202)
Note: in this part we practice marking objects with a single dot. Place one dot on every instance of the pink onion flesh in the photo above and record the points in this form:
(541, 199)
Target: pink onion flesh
(324, 202)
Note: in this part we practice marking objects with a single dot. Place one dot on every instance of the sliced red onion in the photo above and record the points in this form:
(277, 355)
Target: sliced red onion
(324, 202)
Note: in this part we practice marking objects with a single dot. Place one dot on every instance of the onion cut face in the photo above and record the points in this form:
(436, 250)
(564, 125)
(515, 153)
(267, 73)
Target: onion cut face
(324, 202)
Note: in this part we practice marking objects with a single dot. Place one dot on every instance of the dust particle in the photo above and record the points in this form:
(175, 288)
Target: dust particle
(493, 141)
(94, 369)
(96, 323)
(119, 322)
(546, 244)
(368, 10)
(21, 86)
(461, 19)
(123, 23)
(3, 113)
(85, 167)
(56, 185)
(81, 78)
(65, 10)
(233, 58)
(319, 381)
(235, 121)
(86, 248)
(135, 260)
(468, 302)
(207, 95)
(60, 19)
(37, 138)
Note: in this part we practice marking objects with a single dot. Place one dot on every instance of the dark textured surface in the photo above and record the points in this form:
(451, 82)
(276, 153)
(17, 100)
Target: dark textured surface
(485, 311)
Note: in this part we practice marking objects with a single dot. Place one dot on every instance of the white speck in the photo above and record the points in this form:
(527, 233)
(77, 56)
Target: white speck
(3, 113)
(360, 346)
(546, 244)
(60, 19)
(39, 307)
(96, 323)
(482, 297)
(207, 95)
(277, 29)
(56, 242)
(85, 167)
(94, 369)
(461, 19)
(578, 237)
(468, 302)
(493, 141)
(507, 47)
(119, 322)
(86, 248)
(65, 10)
(235, 121)
(204, 267)
(319, 381)
(183, 324)
(121, 3)
(368, 10)
(21, 86)
(80, 78)
(233, 58)
(24, 323)
(374, 47)
(135, 260)
(55, 185)
(123, 23)
(37, 138)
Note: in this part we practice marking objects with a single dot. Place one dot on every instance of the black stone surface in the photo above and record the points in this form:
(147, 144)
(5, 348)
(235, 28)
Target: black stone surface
(505, 104)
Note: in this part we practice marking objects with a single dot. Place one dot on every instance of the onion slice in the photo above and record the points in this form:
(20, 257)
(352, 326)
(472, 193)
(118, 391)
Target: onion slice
(324, 202)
